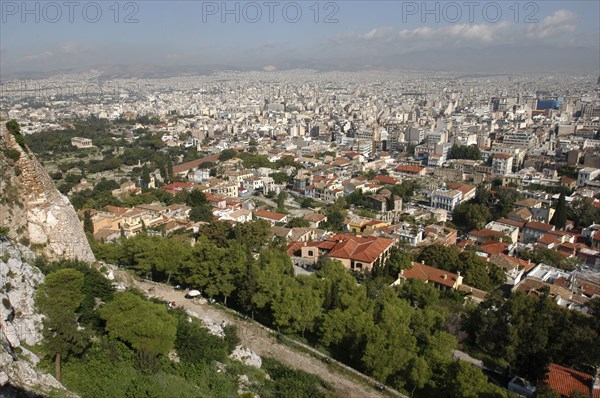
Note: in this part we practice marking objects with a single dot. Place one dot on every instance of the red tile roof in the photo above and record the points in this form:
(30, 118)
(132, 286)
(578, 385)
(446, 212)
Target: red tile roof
(358, 248)
(386, 180)
(180, 168)
(405, 168)
(493, 247)
(565, 380)
(538, 226)
(428, 273)
(269, 215)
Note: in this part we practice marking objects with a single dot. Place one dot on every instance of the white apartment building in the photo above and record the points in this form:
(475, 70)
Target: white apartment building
(502, 164)
(586, 175)
(445, 199)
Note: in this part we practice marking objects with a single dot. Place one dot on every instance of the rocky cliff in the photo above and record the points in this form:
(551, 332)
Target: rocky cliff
(20, 324)
(33, 209)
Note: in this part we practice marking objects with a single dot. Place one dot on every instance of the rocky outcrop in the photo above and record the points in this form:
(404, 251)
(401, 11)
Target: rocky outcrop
(246, 356)
(18, 281)
(32, 207)
(19, 324)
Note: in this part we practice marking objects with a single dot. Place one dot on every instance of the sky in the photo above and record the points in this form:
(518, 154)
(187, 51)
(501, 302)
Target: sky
(470, 36)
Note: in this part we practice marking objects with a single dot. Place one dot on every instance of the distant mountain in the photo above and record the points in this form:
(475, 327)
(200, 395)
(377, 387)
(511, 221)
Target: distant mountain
(122, 71)
(493, 59)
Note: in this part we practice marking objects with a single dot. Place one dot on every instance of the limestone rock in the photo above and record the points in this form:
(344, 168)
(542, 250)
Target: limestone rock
(18, 283)
(34, 210)
(246, 356)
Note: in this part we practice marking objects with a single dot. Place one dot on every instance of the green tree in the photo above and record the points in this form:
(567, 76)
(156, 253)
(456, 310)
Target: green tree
(146, 326)
(195, 344)
(201, 213)
(471, 216)
(58, 298)
(298, 222)
(560, 215)
(227, 154)
(88, 224)
(281, 197)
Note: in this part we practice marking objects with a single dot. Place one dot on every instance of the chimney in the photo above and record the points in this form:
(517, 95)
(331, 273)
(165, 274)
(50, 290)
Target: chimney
(445, 276)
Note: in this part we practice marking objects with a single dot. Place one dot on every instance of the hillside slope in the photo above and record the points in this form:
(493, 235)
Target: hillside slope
(33, 209)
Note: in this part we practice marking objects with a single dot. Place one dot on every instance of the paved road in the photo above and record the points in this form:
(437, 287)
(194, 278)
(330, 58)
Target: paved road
(260, 340)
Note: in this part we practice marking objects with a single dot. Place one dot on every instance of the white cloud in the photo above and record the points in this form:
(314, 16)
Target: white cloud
(72, 48)
(42, 55)
(562, 21)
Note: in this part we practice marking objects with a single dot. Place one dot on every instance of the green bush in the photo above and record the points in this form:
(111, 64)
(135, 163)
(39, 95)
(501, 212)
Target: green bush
(12, 154)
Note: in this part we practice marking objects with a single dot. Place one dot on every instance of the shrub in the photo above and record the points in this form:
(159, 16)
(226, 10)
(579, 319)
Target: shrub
(6, 303)
(12, 154)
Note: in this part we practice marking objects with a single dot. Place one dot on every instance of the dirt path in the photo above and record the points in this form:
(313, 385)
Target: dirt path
(261, 341)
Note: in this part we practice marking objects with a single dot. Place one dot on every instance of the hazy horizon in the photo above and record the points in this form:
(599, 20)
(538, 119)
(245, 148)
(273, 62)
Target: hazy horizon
(473, 37)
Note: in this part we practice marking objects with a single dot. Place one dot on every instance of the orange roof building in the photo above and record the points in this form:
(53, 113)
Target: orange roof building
(566, 381)
(440, 278)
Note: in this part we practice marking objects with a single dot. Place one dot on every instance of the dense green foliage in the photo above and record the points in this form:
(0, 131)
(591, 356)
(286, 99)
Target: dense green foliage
(560, 216)
(476, 271)
(14, 128)
(147, 327)
(397, 336)
(465, 152)
(550, 257)
(126, 357)
(530, 332)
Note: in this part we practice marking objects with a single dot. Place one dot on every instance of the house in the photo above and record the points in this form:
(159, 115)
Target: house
(358, 225)
(385, 201)
(502, 164)
(468, 191)
(315, 219)
(359, 253)
(439, 278)
(271, 216)
(514, 268)
(522, 214)
(446, 199)
(354, 252)
(441, 235)
(566, 382)
(411, 170)
(240, 216)
(534, 230)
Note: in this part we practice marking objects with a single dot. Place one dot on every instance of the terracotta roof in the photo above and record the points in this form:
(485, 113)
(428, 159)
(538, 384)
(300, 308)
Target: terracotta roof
(565, 380)
(502, 156)
(405, 168)
(465, 189)
(539, 226)
(358, 248)
(314, 217)
(386, 180)
(116, 209)
(547, 239)
(180, 168)
(508, 221)
(428, 273)
(493, 247)
(269, 215)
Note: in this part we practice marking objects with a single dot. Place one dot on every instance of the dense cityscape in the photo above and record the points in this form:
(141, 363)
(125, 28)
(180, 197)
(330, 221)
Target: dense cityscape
(390, 222)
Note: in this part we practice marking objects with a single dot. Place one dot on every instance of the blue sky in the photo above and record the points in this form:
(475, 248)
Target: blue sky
(356, 32)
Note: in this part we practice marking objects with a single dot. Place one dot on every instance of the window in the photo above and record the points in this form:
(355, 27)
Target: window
(311, 253)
